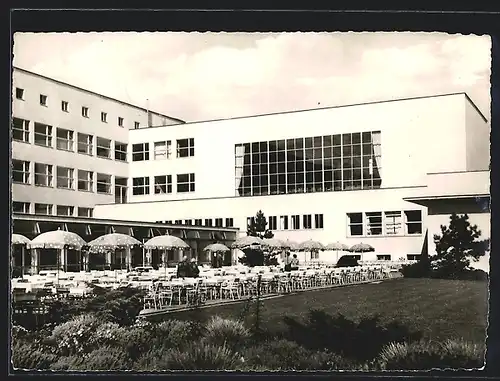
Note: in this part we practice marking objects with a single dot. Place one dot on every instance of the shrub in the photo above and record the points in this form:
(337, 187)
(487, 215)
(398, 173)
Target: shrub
(30, 356)
(101, 359)
(426, 355)
(201, 356)
(221, 331)
(420, 269)
(75, 336)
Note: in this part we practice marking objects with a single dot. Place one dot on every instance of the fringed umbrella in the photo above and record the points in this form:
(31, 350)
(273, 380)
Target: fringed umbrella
(166, 242)
(18, 239)
(249, 241)
(112, 242)
(276, 244)
(217, 248)
(362, 248)
(311, 246)
(58, 239)
(337, 246)
(294, 246)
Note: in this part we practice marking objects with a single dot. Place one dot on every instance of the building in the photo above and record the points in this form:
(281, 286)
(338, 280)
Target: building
(383, 173)
(70, 146)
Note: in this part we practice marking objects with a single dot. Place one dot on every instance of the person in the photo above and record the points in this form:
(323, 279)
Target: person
(183, 268)
(294, 264)
(288, 262)
(194, 271)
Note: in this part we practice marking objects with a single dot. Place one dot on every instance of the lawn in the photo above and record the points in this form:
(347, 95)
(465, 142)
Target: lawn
(440, 309)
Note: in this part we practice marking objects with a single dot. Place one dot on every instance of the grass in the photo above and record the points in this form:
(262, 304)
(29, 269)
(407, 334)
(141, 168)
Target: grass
(440, 309)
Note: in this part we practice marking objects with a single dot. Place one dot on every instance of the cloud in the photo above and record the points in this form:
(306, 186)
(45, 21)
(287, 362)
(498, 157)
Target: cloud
(205, 76)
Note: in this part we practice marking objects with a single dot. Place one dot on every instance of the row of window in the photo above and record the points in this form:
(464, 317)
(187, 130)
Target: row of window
(294, 222)
(44, 101)
(312, 164)
(391, 223)
(163, 150)
(208, 222)
(49, 209)
(41, 174)
(163, 184)
(65, 140)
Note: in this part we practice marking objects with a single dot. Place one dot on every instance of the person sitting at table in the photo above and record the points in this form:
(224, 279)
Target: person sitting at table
(194, 271)
(183, 268)
(294, 263)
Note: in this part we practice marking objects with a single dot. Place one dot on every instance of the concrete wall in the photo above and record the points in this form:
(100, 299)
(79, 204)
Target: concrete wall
(478, 139)
(418, 136)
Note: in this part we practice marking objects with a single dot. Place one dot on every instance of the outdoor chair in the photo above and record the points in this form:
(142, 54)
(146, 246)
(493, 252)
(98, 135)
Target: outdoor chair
(230, 289)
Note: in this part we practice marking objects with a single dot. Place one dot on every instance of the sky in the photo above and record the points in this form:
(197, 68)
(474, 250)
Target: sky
(204, 76)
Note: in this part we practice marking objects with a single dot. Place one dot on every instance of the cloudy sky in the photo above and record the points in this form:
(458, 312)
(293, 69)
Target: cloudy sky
(200, 76)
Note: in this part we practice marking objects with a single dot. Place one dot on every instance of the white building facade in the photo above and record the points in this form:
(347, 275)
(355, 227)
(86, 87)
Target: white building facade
(363, 173)
(70, 146)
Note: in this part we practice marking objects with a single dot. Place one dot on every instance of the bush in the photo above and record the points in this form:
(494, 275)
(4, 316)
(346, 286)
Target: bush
(101, 359)
(420, 269)
(221, 331)
(426, 355)
(31, 356)
(201, 356)
(360, 341)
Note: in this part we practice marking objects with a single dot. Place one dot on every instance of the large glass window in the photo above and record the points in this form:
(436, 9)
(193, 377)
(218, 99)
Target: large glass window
(45, 209)
(21, 130)
(140, 151)
(140, 185)
(120, 151)
(21, 171)
(355, 224)
(104, 148)
(162, 150)
(185, 147)
(64, 139)
(85, 143)
(374, 223)
(185, 182)
(65, 210)
(413, 221)
(43, 135)
(104, 183)
(43, 174)
(20, 207)
(85, 181)
(65, 178)
(393, 222)
(312, 164)
(163, 184)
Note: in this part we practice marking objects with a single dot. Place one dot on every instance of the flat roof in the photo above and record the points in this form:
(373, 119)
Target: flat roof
(94, 93)
(335, 107)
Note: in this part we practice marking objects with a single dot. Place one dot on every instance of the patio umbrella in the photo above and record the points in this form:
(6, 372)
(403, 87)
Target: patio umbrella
(18, 239)
(276, 244)
(362, 248)
(337, 246)
(58, 239)
(166, 242)
(294, 246)
(217, 248)
(311, 246)
(112, 242)
(248, 241)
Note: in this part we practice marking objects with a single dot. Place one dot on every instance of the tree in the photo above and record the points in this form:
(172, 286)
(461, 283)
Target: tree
(258, 228)
(457, 244)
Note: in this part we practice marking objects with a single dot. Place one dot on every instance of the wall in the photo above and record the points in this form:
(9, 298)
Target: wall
(414, 132)
(333, 206)
(478, 139)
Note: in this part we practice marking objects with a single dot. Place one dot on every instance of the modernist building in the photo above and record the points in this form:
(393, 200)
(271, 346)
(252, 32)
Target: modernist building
(70, 146)
(385, 173)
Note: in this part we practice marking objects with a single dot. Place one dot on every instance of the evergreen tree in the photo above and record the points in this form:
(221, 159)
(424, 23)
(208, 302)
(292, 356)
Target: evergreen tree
(457, 244)
(258, 228)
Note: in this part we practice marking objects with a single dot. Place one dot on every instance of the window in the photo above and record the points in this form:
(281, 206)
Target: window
(85, 212)
(383, 257)
(393, 222)
(85, 143)
(104, 117)
(355, 224)
(65, 210)
(140, 185)
(185, 147)
(318, 221)
(198, 222)
(178, 222)
(136, 125)
(21, 130)
(185, 183)
(229, 223)
(307, 221)
(162, 150)
(273, 223)
(64, 106)
(43, 135)
(45, 209)
(21, 171)
(43, 175)
(374, 223)
(64, 140)
(120, 151)
(208, 222)
(413, 257)
(43, 100)
(104, 183)
(218, 222)
(188, 222)
(283, 223)
(250, 221)
(103, 148)
(296, 222)
(163, 184)
(85, 181)
(140, 151)
(413, 221)
(85, 112)
(20, 207)
(65, 177)
(169, 222)
(19, 93)
(120, 121)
